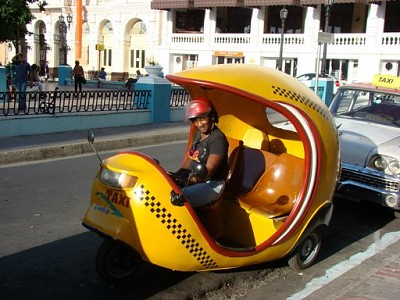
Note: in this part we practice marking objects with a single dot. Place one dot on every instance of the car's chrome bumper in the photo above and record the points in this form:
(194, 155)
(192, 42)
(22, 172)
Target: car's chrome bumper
(367, 185)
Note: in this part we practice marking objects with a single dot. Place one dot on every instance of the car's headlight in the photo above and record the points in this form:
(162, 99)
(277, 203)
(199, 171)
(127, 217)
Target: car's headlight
(116, 179)
(386, 164)
(380, 163)
(394, 167)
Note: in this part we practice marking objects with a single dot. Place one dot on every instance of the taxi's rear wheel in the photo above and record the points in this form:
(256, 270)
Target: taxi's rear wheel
(307, 252)
(117, 263)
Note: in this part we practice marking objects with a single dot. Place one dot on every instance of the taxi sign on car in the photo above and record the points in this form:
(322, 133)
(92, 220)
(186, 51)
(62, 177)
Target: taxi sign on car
(387, 81)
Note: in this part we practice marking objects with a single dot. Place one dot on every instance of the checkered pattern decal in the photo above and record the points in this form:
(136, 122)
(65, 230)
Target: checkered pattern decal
(176, 229)
(299, 98)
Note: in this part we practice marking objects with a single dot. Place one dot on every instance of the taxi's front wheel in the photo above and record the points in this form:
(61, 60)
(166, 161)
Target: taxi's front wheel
(307, 252)
(117, 263)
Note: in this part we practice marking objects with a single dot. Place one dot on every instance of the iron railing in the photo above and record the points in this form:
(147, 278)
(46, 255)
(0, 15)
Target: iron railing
(60, 102)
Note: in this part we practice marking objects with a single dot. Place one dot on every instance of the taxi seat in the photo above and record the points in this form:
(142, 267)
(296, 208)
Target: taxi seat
(246, 166)
(278, 189)
(263, 182)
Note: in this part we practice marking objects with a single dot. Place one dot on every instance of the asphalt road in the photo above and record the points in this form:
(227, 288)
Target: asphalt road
(45, 252)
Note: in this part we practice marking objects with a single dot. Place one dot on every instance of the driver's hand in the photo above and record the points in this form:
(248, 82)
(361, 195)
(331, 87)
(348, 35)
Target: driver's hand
(180, 177)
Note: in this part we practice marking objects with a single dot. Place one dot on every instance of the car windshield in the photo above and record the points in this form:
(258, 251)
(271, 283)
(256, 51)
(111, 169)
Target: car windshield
(371, 106)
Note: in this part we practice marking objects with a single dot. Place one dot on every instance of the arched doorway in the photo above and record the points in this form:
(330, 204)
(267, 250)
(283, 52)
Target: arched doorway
(41, 47)
(63, 46)
(106, 38)
(135, 46)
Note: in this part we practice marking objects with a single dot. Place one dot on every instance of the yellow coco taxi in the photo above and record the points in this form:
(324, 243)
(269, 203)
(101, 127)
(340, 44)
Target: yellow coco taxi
(277, 197)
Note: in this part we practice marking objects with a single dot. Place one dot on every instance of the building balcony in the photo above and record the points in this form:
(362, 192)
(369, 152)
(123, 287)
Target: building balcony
(345, 44)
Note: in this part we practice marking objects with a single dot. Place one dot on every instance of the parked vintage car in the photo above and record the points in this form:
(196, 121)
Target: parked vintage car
(368, 121)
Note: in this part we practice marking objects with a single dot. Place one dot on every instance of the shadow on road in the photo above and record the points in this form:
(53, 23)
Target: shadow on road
(351, 222)
(65, 269)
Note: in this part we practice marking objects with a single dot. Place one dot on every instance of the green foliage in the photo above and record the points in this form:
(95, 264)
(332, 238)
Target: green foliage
(14, 15)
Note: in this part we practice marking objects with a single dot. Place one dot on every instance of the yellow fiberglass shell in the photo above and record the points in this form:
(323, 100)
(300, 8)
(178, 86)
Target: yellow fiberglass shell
(241, 94)
(172, 236)
(163, 234)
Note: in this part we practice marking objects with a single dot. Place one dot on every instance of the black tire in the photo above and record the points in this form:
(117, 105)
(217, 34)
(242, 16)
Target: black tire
(117, 263)
(306, 253)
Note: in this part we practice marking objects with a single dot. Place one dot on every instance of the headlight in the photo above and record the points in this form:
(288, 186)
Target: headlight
(380, 163)
(116, 179)
(387, 164)
(394, 167)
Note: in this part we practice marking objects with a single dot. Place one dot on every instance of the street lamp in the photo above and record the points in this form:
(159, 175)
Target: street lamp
(69, 20)
(61, 18)
(63, 35)
(283, 15)
(328, 5)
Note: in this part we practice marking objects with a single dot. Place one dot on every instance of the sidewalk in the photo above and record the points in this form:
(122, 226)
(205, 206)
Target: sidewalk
(371, 274)
(52, 85)
(38, 147)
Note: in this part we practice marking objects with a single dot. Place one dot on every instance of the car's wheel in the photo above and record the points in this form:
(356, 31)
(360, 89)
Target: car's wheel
(117, 263)
(306, 253)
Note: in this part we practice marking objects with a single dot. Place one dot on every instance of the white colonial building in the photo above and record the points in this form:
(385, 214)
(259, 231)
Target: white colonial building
(180, 34)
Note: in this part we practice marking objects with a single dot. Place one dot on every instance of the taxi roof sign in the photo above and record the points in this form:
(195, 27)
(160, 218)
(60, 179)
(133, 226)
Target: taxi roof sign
(387, 81)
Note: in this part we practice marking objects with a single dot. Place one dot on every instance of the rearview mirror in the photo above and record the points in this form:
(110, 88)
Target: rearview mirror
(90, 136)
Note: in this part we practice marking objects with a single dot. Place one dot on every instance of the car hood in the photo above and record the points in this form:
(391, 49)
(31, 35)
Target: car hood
(360, 139)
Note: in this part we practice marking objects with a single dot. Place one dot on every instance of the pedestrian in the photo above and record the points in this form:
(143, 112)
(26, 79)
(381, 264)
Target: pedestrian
(210, 148)
(35, 79)
(46, 71)
(22, 70)
(102, 76)
(138, 74)
(78, 74)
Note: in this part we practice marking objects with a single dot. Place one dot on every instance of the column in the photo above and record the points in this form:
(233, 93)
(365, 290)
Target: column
(3, 79)
(374, 29)
(307, 64)
(64, 72)
(160, 97)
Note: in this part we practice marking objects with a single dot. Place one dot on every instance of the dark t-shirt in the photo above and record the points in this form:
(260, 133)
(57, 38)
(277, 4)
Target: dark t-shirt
(78, 71)
(21, 72)
(102, 75)
(215, 143)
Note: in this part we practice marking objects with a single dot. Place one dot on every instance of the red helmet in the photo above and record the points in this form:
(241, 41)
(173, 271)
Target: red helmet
(198, 107)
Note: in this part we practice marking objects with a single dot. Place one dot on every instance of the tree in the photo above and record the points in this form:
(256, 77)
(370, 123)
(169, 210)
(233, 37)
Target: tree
(14, 15)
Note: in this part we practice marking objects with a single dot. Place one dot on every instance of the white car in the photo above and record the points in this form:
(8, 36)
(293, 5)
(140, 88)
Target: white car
(368, 123)
(308, 77)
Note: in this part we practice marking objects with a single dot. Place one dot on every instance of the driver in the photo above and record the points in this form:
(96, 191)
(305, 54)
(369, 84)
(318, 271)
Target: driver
(210, 148)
